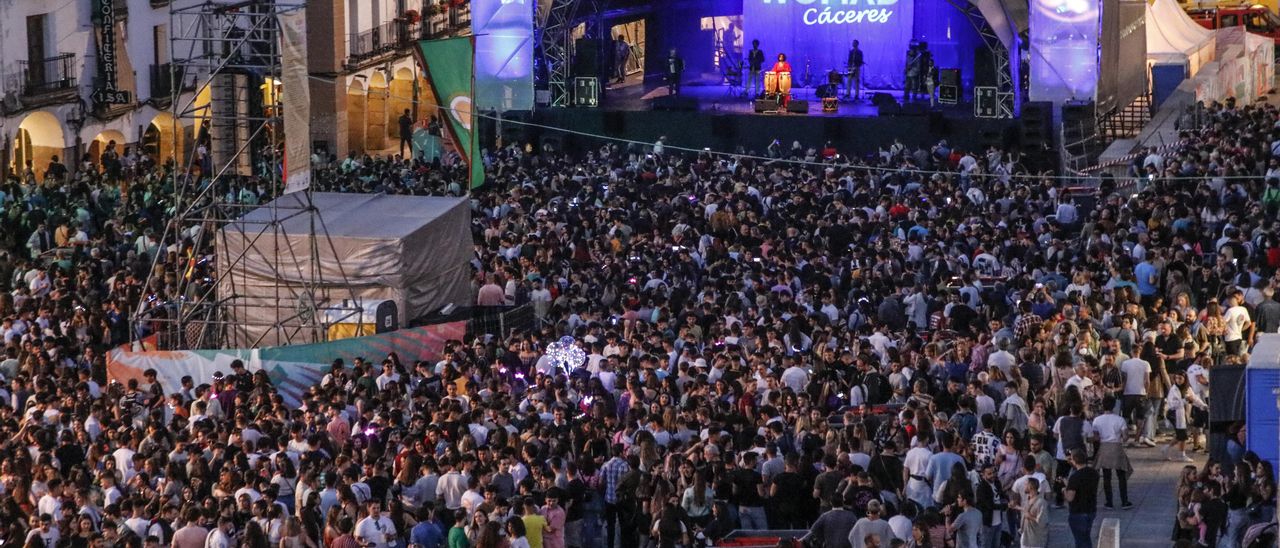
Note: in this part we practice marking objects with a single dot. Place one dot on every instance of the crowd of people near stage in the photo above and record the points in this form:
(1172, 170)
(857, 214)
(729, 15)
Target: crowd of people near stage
(923, 347)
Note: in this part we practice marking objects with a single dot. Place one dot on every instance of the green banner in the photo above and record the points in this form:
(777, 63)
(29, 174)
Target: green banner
(450, 68)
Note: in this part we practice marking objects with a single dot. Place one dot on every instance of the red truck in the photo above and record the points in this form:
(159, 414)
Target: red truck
(1256, 19)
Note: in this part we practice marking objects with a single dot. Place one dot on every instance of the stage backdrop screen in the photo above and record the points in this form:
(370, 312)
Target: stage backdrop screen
(823, 30)
(504, 53)
(1064, 50)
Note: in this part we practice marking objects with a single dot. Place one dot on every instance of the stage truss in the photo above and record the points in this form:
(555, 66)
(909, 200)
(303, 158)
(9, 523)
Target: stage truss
(230, 53)
(556, 40)
(999, 56)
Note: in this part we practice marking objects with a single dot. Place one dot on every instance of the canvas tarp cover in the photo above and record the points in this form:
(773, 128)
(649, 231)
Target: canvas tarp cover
(1173, 37)
(409, 249)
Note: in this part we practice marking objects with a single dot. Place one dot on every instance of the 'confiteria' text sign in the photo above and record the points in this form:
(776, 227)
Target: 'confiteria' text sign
(821, 32)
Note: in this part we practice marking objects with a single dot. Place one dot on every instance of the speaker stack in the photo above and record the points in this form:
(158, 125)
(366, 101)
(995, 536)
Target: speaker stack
(1035, 134)
(949, 86)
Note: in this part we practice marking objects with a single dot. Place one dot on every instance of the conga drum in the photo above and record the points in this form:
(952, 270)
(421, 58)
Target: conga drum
(784, 83)
(771, 82)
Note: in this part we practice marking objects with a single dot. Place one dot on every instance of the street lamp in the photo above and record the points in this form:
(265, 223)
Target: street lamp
(76, 119)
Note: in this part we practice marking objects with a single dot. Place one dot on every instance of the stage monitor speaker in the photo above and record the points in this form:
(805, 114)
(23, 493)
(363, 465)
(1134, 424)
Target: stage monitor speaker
(765, 105)
(948, 95)
(949, 77)
(586, 91)
(675, 102)
(798, 106)
(885, 104)
(1227, 386)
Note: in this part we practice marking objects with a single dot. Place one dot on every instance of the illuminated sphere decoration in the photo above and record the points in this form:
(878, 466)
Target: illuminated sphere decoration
(566, 355)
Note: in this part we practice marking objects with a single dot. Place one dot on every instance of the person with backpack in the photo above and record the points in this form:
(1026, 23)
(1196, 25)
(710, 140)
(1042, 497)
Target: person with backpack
(668, 530)
(1013, 410)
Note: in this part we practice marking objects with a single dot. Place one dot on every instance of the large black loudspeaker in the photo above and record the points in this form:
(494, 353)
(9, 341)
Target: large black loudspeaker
(949, 86)
(387, 317)
(798, 106)
(586, 57)
(765, 105)
(885, 104)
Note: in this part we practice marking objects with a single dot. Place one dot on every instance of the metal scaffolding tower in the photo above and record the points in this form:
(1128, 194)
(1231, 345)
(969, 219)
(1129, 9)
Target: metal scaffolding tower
(230, 53)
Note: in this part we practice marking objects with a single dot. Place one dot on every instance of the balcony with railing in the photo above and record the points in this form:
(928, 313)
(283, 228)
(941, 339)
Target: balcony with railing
(400, 34)
(52, 77)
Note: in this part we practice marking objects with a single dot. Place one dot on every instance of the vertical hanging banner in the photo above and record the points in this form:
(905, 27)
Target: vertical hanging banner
(450, 68)
(297, 105)
(107, 92)
(504, 54)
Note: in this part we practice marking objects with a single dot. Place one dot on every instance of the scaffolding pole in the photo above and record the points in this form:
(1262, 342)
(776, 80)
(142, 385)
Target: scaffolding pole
(230, 53)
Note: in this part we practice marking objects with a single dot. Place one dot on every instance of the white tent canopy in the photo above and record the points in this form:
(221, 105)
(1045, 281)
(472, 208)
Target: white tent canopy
(412, 250)
(1173, 37)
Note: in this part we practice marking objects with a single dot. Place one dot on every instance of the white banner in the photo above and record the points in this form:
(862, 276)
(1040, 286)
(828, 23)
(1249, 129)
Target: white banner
(297, 107)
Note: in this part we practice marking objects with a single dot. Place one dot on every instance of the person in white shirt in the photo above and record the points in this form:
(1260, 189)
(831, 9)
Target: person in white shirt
(450, 487)
(1109, 430)
(375, 529)
(913, 467)
(1238, 324)
(51, 502)
(796, 378)
(388, 376)
(221, 536)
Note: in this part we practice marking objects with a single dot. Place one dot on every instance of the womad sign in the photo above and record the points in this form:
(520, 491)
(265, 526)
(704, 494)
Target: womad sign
(818, 34)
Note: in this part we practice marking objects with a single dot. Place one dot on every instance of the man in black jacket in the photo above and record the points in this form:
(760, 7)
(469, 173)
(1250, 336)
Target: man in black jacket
(992, 504)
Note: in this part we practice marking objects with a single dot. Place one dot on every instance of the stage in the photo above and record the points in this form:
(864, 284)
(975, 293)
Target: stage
(707, 116)
(702, 95)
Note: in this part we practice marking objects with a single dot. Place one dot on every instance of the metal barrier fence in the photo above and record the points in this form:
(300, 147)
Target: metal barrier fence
(500, 321)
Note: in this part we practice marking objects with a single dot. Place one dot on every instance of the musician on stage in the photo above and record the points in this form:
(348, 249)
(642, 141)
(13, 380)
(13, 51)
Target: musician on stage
(915, 75)
(675, 68)
(780, 67)
(854, 68)
(755, 63)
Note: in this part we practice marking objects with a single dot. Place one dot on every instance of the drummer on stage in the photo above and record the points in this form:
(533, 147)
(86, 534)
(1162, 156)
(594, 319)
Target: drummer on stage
(781, 67)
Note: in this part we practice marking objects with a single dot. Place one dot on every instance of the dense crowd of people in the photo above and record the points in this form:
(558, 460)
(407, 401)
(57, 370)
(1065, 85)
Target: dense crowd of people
(924, 347)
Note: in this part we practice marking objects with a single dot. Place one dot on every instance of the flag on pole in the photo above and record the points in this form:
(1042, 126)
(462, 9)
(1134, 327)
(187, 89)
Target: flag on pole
(450, 68)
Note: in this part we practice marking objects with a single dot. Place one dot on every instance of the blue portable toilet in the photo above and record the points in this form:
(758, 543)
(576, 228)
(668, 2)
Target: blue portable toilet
(1262, 383)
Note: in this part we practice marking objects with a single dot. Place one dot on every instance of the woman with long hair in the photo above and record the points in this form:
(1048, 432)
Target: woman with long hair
(254, 536)
(515, 534)
(697, 500)
(292, 535)
(1179, 401)
(490, 536)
